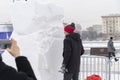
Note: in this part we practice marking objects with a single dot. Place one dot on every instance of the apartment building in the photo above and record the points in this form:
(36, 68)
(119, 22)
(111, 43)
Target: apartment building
(111, 25)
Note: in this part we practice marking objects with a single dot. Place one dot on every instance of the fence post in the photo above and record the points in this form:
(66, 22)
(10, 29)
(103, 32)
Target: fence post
(109, 69)
(108, 63)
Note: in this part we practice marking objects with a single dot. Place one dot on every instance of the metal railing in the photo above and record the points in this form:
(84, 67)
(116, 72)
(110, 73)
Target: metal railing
(100, 65)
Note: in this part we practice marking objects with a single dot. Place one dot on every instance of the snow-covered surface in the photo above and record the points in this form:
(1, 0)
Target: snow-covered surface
(100, 44)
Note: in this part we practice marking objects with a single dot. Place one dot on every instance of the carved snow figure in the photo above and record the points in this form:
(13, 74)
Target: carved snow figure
(39, 32)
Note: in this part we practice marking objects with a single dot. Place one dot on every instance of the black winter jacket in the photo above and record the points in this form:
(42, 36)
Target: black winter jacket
(73, 49)
(24, 72)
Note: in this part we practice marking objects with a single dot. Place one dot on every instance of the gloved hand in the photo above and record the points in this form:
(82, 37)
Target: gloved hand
(63, 69)
(114, 49)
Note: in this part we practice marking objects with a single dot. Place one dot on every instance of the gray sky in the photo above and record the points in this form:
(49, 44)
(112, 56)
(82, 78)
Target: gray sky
(88, 12)
(84, 12)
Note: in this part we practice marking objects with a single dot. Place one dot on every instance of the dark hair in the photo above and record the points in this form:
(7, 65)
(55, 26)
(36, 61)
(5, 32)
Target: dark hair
(111, 37)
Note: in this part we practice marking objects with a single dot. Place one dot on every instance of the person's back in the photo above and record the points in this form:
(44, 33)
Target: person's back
(111, 49)
(76, 52)
(72, 51)
(110, 46)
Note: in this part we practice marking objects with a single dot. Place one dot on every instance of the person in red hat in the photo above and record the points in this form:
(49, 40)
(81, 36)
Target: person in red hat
(94, 77)
(72, 51)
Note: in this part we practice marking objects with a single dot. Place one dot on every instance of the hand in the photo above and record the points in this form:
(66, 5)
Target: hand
(114, 49)
(63, 69)
(14, 49)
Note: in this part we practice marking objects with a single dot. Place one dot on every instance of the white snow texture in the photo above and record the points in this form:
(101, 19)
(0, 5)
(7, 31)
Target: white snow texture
(38, 31)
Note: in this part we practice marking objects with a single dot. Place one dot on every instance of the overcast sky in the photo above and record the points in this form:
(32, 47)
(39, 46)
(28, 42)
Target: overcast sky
(88, 12)
(84, 12)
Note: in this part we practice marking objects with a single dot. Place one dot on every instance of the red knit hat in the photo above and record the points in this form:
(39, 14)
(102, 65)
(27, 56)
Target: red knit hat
(70, 28)
(94, 77)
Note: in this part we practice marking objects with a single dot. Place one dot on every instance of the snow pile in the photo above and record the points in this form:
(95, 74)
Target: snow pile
(39, 32)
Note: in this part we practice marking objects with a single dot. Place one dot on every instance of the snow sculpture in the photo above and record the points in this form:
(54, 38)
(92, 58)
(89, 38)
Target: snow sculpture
(39, 32)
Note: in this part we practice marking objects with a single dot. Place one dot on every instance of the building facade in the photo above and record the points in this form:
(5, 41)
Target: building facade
(97, 28)
(111, 25)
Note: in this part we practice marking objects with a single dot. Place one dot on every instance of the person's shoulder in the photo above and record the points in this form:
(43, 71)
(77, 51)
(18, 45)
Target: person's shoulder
(67, 39)
(14, 74)
(10, 69)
